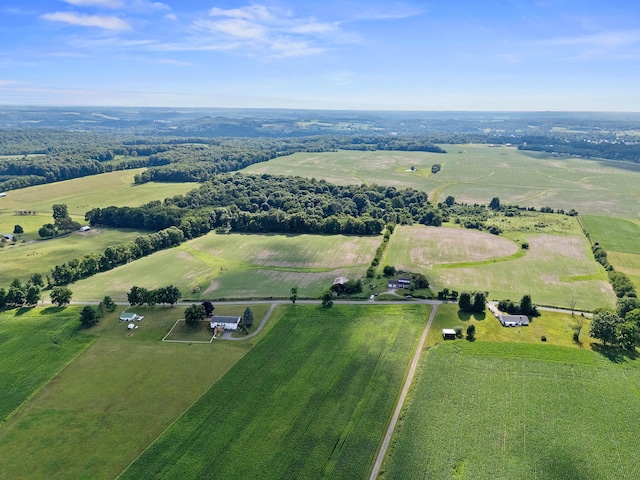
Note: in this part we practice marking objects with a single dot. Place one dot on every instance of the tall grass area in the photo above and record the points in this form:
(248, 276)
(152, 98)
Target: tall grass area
(520, 411)
(311, 400)
(477, 173)
(240, 266)
(97, 415)
(35, 344)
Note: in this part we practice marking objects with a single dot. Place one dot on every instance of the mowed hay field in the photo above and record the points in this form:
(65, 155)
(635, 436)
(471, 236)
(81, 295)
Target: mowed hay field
(621, 240)
(35, 344)
(311, 400)
(486, 410)
(477, 173)
(97, 415)
(555, 268)
(240, 266)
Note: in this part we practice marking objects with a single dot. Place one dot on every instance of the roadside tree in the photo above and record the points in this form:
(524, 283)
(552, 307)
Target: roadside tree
(208, 308)
(327, 298)
(61, 296)
(603, 326)
(294, 295)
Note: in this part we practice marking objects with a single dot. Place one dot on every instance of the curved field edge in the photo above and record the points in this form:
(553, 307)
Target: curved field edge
(35, 345)
(518, 411)
(311, 400)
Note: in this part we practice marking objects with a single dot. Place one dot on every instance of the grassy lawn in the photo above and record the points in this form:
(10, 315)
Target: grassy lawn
(35, 344)
(24, 259)
(311, 400)
(240, 266)
(202, 332)
(487, 410)
(477, 173)
(553, 270)
(113, 400)
(557, 327)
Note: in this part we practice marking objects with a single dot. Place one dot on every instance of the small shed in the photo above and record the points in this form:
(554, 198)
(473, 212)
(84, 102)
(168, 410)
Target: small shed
(448, 334)
(8, 236)
(340, 281)
(3, 194)
(86, 228)
(130, 317)
(228, 323)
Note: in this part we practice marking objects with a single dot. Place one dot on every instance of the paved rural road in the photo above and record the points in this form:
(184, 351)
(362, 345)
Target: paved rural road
(403, 396)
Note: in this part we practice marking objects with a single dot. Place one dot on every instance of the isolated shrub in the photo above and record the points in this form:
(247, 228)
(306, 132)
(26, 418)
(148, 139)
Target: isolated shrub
(525, 245)
(458, 332)
(543, 338)
(471, 332)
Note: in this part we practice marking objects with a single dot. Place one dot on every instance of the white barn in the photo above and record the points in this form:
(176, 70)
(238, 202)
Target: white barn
(228, 323)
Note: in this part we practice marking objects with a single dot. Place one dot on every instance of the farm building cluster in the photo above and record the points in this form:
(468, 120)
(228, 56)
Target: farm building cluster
(508, 320)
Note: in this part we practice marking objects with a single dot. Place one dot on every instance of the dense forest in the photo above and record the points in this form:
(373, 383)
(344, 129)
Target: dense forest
(249, 203)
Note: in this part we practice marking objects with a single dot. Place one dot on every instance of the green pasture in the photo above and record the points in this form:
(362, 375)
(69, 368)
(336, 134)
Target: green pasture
(240, 266)
(82, 194)
(614, 234)
(554, 270)
(35, 344)
(112, 401)
(311, 400)
(477, 173)
(556, 327)
(486, 410)
(24, 259)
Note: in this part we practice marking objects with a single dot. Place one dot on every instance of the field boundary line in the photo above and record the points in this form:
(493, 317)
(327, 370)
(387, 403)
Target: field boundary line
(164, 339)
(403, 395)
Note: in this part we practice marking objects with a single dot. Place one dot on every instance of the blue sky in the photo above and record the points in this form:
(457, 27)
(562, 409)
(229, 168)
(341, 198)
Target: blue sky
(348, 54)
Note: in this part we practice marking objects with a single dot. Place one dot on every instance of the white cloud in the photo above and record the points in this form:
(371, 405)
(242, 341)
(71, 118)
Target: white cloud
(96, 3)
(601, 40)
(270, 32)
(100, 21)
(171, 16)
(7, 82)
(144, 5)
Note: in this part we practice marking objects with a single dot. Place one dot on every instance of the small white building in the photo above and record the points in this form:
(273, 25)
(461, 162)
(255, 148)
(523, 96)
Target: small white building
(86, 228)
(3, 194)
(228, 323)
(448, 334)
(514, 320)
(130, 317)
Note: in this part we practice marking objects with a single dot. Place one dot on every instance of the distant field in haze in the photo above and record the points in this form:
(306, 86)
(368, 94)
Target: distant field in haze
(553, 270)
(240, 266)
(477, 173)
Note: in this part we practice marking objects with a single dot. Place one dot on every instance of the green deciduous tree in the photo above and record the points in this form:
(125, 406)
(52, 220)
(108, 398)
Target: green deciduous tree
(109, 304)
(208, 308)
(603, 326)
(389, 270)
(479, 302)
(294, 295)
(61, 296)
(18, 230)
(471, 332)
(194, 314)
(327, 298)
(464, 302)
